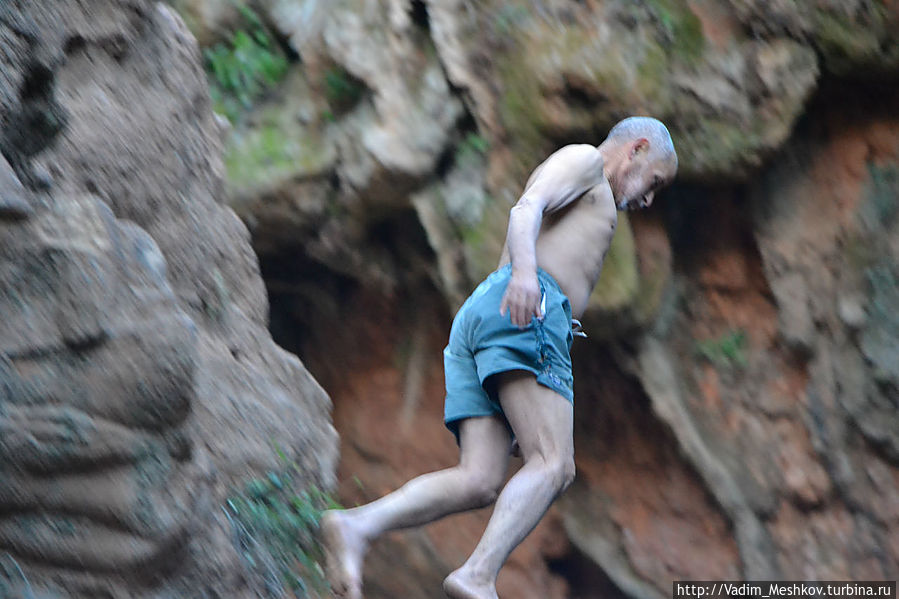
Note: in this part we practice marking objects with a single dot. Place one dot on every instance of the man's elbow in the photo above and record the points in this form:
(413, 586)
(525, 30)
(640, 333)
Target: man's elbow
(527, 206)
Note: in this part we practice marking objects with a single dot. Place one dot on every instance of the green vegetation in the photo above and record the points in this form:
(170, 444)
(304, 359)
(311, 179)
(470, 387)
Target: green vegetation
(273, 150)
(264, 148)
(342, 90)
(275, 527)
(243, 69)
(727, 351)
(721, 148)
(597, 71)
(472, 149)
(681, 27)
(520, 112)
(482, 239)
(844, 43)
(620, 280)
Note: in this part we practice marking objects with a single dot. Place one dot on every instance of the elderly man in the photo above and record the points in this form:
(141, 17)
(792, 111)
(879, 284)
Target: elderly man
(507, 364)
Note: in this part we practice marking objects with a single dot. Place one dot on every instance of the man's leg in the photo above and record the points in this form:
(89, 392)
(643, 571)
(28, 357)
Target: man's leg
(543, 424)
(484, 444)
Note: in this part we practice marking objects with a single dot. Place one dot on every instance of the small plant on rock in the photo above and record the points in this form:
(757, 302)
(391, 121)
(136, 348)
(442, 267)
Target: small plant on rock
(726, 351)
(472, 148)
(274, 526)
(342, 90)
(242, 69)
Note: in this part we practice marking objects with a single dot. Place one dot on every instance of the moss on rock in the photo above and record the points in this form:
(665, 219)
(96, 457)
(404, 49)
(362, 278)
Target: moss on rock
(681, 27)
(847, 43)
(275, 145)
(619, 282)
(264, 156)
(483, 241)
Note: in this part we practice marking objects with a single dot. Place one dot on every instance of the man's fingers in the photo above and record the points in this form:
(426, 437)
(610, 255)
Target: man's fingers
(521, 312)
(534, 308)
(520, 309)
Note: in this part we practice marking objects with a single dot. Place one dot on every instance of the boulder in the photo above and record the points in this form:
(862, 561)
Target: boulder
(139, 386)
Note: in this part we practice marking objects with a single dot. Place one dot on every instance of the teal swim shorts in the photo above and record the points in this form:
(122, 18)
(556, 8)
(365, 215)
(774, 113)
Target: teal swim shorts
(483, 343)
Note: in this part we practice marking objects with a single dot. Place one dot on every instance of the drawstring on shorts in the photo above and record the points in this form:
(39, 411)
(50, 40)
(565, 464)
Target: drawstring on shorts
(577, 329)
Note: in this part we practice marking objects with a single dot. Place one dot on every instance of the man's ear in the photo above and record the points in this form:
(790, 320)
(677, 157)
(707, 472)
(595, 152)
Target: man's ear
(641, 145)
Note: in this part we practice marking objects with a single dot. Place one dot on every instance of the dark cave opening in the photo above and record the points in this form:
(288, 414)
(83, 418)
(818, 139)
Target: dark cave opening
(419, 12)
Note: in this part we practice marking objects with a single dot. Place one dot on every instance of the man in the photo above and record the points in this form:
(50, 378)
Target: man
(507, 364)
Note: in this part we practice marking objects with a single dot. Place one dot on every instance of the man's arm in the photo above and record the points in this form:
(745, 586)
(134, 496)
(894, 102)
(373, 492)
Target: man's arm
(561, 179)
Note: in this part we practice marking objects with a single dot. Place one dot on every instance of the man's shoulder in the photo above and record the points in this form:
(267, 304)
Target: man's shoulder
(581, 164)
(579, 155)
(565, 175)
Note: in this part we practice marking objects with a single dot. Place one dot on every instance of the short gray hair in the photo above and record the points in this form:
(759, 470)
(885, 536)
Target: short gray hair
(635, 127)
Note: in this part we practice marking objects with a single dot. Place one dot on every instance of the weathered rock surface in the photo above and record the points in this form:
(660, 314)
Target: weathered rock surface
(747, 430)
(308, 174)
(736, 401)
(366, 121)
(792, 429)
(828, 242)
(138, 382)
(98, 369)
(571, 70)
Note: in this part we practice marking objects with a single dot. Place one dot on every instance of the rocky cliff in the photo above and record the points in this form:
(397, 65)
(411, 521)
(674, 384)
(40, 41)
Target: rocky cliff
(736, 401)
(139, 385)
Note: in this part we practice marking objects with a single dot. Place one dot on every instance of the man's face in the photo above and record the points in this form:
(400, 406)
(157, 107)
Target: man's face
(640, 177)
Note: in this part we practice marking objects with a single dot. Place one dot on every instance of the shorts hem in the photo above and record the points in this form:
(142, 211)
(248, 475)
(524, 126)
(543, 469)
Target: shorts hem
(452, 422)
(543, 378)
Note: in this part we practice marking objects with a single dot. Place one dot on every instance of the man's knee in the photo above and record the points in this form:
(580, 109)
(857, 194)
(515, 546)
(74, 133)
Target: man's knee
(560, 470)
(483, 487)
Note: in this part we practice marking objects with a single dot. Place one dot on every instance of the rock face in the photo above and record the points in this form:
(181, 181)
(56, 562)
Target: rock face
(736, 400)
(455, 103)
(138, 382)
(747, 430)
(736, 403)
(99, 375)
(367, 119)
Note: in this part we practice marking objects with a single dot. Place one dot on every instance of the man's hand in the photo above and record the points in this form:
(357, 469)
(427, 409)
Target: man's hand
(522, 298)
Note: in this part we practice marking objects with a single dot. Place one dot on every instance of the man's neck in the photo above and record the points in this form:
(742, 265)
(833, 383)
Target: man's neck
(612, 155)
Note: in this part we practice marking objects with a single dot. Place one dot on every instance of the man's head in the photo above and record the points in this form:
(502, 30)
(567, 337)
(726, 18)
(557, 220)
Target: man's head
(639, 160)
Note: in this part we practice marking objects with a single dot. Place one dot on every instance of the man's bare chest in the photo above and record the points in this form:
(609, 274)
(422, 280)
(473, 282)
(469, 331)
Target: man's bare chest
(586, 225)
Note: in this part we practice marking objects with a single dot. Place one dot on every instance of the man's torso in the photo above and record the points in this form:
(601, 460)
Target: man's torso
(573, 242)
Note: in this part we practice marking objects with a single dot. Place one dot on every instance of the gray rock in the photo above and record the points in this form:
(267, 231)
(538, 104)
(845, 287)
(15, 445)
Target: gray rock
(138, 381)
(13, 202)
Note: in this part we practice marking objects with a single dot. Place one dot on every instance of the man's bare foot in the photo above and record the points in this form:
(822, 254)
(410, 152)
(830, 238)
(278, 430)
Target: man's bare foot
(459, 585)
(344, 550)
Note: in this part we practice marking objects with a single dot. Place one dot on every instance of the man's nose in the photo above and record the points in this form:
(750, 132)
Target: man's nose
(647, 199)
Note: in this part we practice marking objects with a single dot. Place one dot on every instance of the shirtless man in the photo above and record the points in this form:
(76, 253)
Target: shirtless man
(507, 364)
